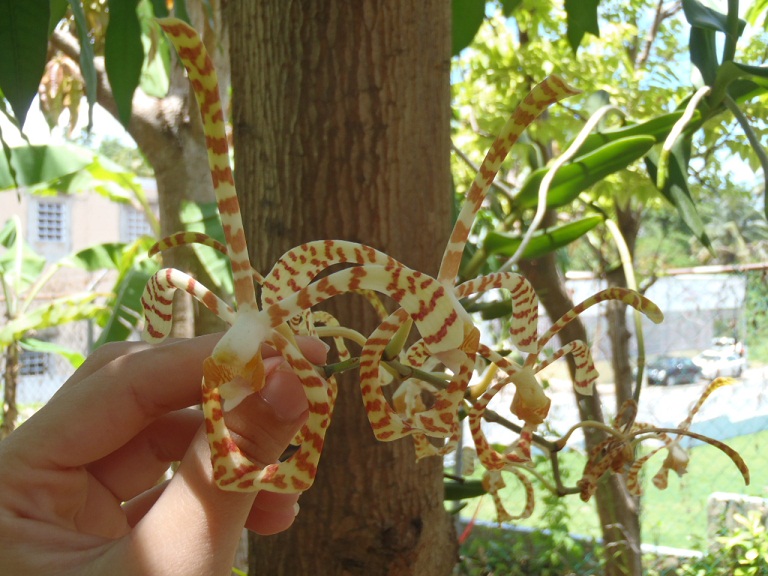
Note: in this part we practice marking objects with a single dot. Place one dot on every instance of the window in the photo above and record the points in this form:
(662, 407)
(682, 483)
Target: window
(133, 224)
(50, 222)
(49, 226)
(33, 363)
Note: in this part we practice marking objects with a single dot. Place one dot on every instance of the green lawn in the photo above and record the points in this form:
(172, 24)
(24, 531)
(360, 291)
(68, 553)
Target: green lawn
(673, 517)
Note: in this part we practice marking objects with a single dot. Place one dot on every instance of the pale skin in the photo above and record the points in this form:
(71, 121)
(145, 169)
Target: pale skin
(79, 490)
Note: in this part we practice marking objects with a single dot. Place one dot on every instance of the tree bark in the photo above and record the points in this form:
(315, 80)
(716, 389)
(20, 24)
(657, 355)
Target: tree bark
(341, 119)
(10, 381)
(617, 510)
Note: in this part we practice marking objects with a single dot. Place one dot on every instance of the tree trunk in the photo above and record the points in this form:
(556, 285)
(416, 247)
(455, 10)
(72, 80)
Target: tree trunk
(11, 380)
(616, 509)
(341, 118)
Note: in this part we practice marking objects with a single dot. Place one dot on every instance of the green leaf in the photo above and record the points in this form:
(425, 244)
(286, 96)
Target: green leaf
(658, 127)
(57, 312)
(23, 51)
(123, 54)
(676, 187)
(582, 172)
(542, 242)
(704, 53)
(461, 490)
(729, 72)
(33, 344)
(58, 12)
(155, 74)
(99, 257)
(468, 15)
(125, 308)
(36, 164)
(87, 67)
(581, 18)
(757, 10)
(700, 16)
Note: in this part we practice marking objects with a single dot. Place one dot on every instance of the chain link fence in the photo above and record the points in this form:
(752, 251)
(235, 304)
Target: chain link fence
(41, 374)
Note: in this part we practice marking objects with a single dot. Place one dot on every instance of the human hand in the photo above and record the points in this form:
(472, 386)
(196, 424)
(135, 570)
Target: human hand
(79, 490)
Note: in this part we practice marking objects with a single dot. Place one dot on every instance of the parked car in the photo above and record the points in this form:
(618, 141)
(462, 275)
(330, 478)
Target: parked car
(720, 362)
(726, 344)
(672, 370)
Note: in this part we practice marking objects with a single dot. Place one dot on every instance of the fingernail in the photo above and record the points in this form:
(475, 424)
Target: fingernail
(296, 509)
(285, 395)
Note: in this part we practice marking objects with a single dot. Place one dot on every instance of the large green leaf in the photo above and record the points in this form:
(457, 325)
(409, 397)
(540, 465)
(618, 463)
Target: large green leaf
(582, 172)
(100, 257)
(87, 67)
(581, 16)
(23, 51)
(703, 49)
(55, 313)
(123, 54)
(701, 16)
(676, 187)
(33, 344)
(542, 242)
(41, 163)
(467, 17)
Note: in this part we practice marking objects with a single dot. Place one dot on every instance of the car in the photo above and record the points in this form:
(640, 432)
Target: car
(672, 370)
(720, 362)
(732, 345)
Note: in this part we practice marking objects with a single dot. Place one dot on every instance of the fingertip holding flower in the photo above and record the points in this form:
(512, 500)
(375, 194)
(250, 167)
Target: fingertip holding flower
(285, 396)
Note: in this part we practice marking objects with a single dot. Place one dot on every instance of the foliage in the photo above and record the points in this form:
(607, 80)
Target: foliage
(744, 552)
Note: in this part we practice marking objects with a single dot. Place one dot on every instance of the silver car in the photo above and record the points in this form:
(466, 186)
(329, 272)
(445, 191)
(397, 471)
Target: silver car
(715, 363)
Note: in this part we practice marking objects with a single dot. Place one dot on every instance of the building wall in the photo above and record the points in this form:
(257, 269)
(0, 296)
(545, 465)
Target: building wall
(86, 220)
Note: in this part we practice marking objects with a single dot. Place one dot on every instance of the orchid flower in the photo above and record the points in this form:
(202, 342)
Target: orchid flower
(439, 364)
(617, 452)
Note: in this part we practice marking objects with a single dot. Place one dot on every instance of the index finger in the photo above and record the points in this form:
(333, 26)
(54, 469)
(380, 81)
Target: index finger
(110, 406)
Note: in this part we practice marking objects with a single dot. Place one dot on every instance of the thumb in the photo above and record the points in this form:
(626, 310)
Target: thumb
(194, 514)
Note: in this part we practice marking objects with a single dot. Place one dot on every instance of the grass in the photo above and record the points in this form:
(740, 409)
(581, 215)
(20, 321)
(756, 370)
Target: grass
(675, 517)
